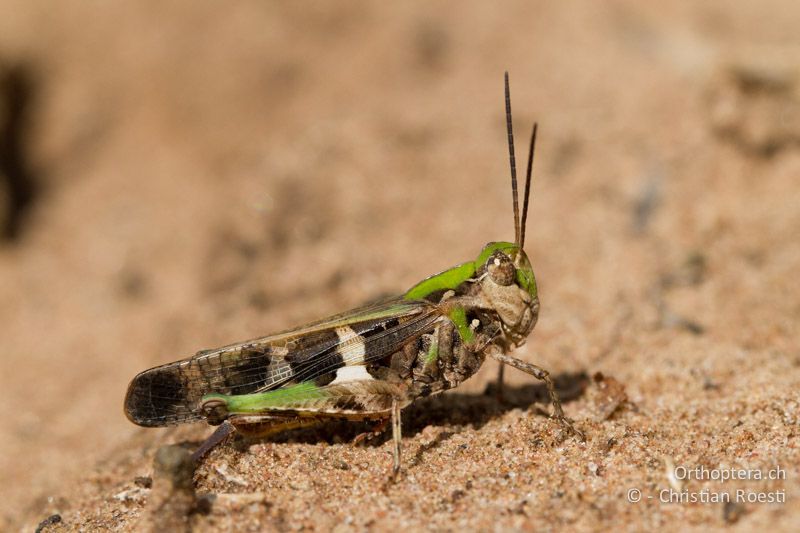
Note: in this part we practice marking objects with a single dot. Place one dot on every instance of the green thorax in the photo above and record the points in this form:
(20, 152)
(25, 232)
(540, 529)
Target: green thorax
(453, 277)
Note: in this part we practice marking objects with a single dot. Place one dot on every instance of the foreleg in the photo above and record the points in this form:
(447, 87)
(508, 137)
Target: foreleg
(543, 375)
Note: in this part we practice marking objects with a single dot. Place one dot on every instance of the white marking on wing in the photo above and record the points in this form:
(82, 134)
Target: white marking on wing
(351, 373)
(351, 346)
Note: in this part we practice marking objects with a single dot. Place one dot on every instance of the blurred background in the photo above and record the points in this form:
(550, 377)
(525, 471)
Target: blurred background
(184, 175)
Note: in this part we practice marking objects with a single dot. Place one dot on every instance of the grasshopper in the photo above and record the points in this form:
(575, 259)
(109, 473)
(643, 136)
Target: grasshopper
(364, 364)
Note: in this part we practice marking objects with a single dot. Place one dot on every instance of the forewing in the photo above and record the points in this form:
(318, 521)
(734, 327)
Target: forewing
(171, 394)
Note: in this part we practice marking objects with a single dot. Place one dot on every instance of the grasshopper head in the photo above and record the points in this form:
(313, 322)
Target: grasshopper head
(508, 284)
(509, 287)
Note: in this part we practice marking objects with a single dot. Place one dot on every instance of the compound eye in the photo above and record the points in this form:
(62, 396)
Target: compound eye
(500, 268)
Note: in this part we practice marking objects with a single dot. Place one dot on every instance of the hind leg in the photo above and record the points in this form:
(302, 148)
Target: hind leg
(214, 440)
(251, 427)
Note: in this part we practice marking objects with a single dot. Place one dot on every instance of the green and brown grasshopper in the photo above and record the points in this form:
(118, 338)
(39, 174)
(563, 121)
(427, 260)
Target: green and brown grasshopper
(368, 363)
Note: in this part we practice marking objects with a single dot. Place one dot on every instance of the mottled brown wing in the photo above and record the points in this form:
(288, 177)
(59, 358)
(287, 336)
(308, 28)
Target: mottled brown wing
(171, 393)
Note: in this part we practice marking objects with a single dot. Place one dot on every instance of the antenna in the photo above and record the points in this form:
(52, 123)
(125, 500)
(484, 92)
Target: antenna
(513, 162)
(527, 185)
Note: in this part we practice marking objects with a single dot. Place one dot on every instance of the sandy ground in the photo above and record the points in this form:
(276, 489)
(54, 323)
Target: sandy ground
(189, 175)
